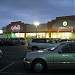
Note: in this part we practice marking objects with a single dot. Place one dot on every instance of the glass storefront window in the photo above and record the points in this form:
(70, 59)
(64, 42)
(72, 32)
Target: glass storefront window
(33, 35)
(20, 35)
(30, 35)
(47, 35)
(65, 35)
(55, 35)
(40, 35)
(16, 35)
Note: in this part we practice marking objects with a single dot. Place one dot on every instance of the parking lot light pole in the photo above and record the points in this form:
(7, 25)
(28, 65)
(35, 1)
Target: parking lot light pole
(36, 24)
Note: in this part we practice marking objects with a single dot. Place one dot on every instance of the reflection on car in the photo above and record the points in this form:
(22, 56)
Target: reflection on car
(60, 57)
(1, 54)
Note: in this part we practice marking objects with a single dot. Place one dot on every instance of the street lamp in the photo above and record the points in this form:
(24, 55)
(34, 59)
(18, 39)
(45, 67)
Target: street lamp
(36, 24)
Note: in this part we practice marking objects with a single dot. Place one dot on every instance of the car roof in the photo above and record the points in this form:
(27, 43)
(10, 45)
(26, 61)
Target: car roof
(69, 42)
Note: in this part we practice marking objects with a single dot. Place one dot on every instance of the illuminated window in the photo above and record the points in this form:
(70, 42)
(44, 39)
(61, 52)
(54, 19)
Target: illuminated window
(19, 35)
(41, 35)
(47, 35)
(65, 35)
(1, 31)
(22, 34)
(32, 35)
(55, 35)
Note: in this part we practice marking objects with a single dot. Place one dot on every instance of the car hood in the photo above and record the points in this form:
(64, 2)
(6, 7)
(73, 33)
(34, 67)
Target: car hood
(38, 54)
(41, 51)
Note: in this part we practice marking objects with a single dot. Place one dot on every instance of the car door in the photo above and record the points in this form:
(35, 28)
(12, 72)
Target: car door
(49, 43)
(41, 43)
(65, 58)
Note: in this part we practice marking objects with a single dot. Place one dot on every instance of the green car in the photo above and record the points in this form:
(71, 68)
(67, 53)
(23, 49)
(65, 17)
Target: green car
(60, 57)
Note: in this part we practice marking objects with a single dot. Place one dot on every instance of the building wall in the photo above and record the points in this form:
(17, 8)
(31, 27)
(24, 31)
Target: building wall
(16, 27)
(40, 28)
(57, 30)
(59, 25)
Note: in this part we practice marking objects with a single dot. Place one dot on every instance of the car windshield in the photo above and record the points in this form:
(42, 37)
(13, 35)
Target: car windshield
(56, 47)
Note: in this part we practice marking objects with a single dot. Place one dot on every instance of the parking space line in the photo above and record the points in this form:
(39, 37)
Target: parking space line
(7, 66)
(14, 73)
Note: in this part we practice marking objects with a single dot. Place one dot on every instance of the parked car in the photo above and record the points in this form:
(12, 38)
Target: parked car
(60, 57)
(6, 41)
(12, 41)
(16, 41)
(64, 40)
(22, 41)
(40, 43)
(1, 54)
(1, 41)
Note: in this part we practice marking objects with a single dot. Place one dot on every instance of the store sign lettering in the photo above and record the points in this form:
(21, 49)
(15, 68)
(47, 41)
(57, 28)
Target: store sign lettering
(66, 27)
(15, 27)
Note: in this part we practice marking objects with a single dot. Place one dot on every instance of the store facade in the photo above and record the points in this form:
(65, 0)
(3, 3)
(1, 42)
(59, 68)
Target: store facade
(61, 27)
(22, 30)
(15, 30)
(42, 31)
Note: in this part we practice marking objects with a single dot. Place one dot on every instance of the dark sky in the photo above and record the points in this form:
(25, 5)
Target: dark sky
(29, 11)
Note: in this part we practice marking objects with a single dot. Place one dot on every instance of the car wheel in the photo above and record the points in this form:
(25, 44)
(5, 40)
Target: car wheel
(34, 48)
(39, 66)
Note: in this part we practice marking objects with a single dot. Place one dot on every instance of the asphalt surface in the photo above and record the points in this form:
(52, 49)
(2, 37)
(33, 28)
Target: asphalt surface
(11, 63)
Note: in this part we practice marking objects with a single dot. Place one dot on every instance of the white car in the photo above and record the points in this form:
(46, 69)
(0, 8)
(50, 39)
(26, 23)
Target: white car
(41, 43)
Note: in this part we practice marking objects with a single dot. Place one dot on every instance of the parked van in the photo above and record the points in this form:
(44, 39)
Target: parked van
(40, 43)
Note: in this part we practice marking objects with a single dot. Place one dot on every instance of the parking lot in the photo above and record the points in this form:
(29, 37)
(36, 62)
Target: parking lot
(12, 59)
(11, 63)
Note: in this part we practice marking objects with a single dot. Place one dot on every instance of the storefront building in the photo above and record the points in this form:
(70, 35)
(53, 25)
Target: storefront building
(61, 27)
(15, 30)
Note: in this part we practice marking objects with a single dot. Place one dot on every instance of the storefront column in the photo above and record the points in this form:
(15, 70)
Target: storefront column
(45, 34)
(49, 34)
(7, 34)
(25, 35)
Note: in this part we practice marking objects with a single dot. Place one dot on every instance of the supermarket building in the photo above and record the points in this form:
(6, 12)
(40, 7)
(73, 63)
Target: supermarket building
(61, 27)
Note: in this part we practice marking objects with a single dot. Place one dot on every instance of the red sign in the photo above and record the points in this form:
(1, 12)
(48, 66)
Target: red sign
(15, 27)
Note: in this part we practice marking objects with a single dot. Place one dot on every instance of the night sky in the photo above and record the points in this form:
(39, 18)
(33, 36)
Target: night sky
(29, 11)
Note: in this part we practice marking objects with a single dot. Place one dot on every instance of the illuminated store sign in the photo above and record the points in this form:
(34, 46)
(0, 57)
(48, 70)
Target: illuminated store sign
(65, 23)
(1, 31)
(70, 27)
(15, 27)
